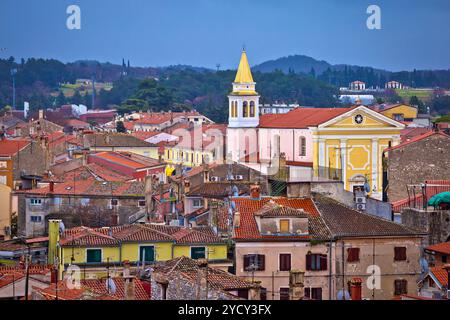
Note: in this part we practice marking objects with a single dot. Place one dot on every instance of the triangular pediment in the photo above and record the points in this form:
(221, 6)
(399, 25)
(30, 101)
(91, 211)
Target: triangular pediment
(361, 117)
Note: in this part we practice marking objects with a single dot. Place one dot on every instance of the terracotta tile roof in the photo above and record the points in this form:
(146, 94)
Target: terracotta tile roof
(10, 274)
(443, 248)
(273, 209)
(127, 159)
(62, 292)
(188, 268)
(346, 222)
(7, 279)
(9, 148)
(248, 229)
(410, 133)
(219, 189)
(416, 139)
(143, 135)
(162, 117)
(92, 187)
(99, 286)
(300, 117)
(88, 237)
(441, 275)
(187, 236)
(113, 140)
(139, 233)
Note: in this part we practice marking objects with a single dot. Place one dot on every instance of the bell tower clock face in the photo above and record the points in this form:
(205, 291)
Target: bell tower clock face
(359, 119)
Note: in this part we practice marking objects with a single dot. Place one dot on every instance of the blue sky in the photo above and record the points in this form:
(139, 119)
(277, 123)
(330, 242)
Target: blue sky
(414, 34)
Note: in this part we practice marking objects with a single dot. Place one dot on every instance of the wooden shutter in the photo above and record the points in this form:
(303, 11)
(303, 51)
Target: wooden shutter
(285, 262)
(308, 261)
(323, 262)
(246, 262)
(284, 226)
(400, 253)
(352, 254)
(261, 262)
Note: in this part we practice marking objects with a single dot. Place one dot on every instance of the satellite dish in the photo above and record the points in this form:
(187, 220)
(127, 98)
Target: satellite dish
(62, 227)
(366, 187)
(343, 295)
(235, 191)
(111, 286)
(233, 205)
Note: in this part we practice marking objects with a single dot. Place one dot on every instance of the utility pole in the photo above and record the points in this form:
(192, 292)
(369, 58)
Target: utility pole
(93, 91)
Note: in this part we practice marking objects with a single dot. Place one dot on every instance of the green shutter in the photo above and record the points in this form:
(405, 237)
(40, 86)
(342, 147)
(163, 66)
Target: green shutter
(198, 253)
(147, 253)
(93, 255)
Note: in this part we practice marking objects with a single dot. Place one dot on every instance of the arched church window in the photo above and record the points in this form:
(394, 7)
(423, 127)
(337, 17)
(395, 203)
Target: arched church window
(252, 109)
(276, 145)
(245, 109)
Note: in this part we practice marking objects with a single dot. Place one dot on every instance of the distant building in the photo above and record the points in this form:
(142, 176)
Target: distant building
(277, 108)
(357, 86)
(393, 85)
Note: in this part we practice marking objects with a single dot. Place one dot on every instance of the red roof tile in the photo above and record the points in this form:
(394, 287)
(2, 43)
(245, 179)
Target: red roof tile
(300, 117)
(99, 286)
(11, 147)
(443, 248)
(248, 229)
(417, 138)
(441, 275)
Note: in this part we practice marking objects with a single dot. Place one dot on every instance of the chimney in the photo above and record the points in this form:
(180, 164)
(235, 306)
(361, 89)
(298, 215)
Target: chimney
(237, 220)
(254, 293)
(187, 185)
(130, 288)
(53, 240)
(114, 219)
(52, 186)
(41, 114)
(53, 275)
(205, 172)
(296, 287)
(202, 282)
(255, 191)
(356, 289)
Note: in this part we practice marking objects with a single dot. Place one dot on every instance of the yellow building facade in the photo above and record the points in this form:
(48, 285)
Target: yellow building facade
(353, 143)
(400, 112)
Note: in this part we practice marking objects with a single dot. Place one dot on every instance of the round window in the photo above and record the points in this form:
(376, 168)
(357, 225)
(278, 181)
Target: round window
(359, 119)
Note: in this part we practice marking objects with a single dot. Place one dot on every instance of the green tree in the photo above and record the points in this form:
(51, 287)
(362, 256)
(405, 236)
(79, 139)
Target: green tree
(61, 99)
(76, 98)
(414, 101)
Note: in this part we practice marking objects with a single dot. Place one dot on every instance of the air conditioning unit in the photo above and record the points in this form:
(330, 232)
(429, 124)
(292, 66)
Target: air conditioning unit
(239, 177)
(360, 199)
(361, 206)
(215, 179)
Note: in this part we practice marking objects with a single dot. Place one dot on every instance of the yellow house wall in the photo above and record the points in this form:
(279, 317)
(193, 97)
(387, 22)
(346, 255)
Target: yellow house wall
(407, 111)
(163, 251)
(5, 209)
(79, 254)
(214, 252)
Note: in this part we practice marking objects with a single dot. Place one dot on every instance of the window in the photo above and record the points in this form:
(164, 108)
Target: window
(399, 253)
(84, 201)
(352, 254)
(284, 226)
(198, 252)
(263, 295)
(398, 116)
(302, 146)
(284, 293)
(245, 109)
(114, 202)
(400, 287)
(197, 203)
(35, 202)
(444, 259)
(285, 261)
(313, 293)
(35, 218)
(254, 262)
(252, 108)
(93, 255)
(2, 179)
(141, 203)
(146, 253)
(3, 164)
(316, 262)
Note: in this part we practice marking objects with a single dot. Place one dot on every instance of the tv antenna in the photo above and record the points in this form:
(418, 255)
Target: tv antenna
(218, 66)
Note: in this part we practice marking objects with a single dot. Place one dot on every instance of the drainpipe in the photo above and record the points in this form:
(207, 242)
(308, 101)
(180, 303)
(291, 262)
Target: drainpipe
(330, 272)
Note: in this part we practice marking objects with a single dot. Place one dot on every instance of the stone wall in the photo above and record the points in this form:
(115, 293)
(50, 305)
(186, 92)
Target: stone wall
(178, 287)
(32, 160)
(427, 159)
(435, 223)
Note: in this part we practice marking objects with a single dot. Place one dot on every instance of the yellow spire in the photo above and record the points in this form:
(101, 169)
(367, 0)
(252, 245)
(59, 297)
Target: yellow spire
(244, 74)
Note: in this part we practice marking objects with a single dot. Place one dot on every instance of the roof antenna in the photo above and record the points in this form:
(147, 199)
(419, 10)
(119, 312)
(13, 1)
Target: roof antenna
(243, 46)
